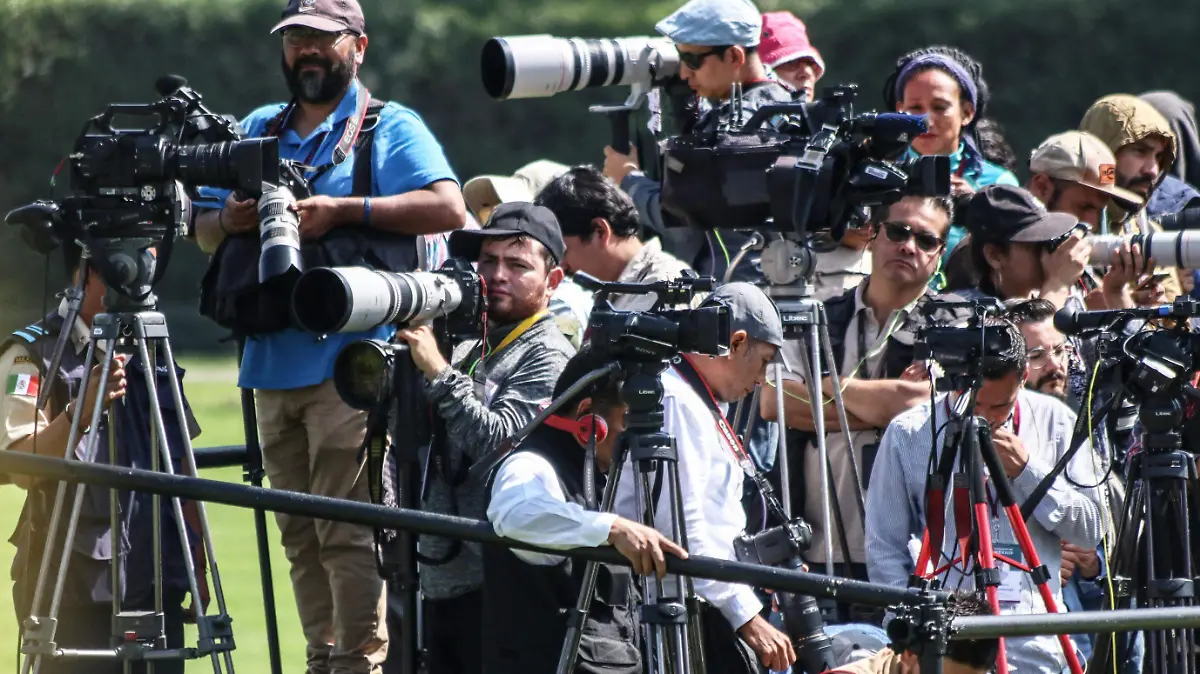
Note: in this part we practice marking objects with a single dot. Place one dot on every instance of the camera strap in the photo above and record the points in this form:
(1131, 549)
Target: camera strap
(684, 367)
(354, 125)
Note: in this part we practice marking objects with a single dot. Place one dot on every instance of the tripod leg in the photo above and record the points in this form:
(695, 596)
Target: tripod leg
(812, 377)
(34, 663)
(254, 475)
(843, 419)
(570, 651)
(781, 454)
(190, 466)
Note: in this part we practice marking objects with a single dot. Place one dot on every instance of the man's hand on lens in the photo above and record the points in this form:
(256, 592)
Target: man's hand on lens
(959, 186)
(774, 648)
(318, 215)
(239, 216)
(423, 347)
(617, 165)
(114, 388)
(1127, 267)
(1011, 452)
(643, 546)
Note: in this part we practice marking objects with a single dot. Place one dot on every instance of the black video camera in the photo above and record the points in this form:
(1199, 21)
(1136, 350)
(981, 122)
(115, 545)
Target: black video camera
(810, 177)
(130, 186)
(778, 546)
(660, 333)
(959, 349)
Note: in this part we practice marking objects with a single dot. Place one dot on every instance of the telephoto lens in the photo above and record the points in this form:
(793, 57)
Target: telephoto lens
(1169, 249)
(353, 299)
(537, 66)
(279, 234)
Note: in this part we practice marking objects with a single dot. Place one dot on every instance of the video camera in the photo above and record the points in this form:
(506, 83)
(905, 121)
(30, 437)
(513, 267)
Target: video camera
(660, 333)
(131, 187)
(809, 176)
(1150, 364)
(961, 350)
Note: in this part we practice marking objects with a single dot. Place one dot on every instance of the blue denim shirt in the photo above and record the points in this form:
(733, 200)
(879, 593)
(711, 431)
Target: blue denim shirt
(406, 157)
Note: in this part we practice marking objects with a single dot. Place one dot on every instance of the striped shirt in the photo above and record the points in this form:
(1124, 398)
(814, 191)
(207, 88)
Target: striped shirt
(895, 516)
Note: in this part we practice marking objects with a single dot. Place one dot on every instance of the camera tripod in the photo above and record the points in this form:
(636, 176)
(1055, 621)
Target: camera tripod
(670, 613)
(968, 445)
(128, 327)
(789, 267)
(1154, 558)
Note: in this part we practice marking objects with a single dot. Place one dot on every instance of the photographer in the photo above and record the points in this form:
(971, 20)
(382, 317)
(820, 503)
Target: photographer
(711, 461)
(872, 329)
(85, 614)
(485, 393)
(600, 228)
(717, 42)
(1031, 433)
(538, 496)
(380, 181)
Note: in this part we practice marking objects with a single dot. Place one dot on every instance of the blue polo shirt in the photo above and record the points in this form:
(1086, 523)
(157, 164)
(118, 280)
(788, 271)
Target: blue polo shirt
(406, 158)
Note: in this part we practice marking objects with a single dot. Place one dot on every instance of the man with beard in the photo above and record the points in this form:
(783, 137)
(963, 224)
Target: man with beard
(380, 182)
(487, 391)
(1048, 350)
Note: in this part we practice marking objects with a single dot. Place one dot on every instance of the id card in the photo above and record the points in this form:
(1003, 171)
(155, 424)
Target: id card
(1012, 579)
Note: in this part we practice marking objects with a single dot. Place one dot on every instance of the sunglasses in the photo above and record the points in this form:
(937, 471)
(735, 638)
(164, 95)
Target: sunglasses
(695, 60)
(898, 232)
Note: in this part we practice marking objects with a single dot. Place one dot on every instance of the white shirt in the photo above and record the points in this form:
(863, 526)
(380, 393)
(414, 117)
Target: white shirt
(711, 485)
(528, 505)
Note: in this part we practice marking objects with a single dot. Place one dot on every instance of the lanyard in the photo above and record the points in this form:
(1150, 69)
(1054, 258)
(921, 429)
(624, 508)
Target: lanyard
(683, 365)
(511, 337)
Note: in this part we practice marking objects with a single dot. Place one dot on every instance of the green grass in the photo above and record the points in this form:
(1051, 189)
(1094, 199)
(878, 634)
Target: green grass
(210, 388)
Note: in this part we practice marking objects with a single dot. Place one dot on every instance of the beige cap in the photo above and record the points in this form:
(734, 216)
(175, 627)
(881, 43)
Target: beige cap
(1080, 157)
(524, 185)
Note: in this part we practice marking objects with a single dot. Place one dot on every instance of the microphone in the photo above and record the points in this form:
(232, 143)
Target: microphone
(1071, 321)
(169, 84)
(892, 124)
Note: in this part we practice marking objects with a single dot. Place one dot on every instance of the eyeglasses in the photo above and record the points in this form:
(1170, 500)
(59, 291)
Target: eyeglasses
(898, 232)
(695, 60)
(297, 37)
(1040, 357)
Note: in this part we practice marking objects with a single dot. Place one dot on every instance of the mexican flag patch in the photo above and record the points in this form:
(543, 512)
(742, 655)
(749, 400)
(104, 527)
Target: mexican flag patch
(22, 385)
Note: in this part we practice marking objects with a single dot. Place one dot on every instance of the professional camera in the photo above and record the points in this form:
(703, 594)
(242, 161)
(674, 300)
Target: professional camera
(1180, 249)
(355, 299)
(130, 187)
(658, 334)
(958, 337)
(535, 66)
(824, 165)
(781, 547)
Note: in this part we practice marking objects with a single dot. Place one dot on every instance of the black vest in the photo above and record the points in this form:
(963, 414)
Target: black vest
(92, 537)
(525, 605)
(230, 294)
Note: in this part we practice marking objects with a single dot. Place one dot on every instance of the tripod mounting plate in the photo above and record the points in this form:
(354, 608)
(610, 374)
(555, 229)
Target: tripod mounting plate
(785, 262)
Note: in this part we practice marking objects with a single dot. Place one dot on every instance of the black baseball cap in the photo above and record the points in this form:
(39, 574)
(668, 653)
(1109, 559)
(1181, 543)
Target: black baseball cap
(515, 218)
(1007, 214)
(331, 16)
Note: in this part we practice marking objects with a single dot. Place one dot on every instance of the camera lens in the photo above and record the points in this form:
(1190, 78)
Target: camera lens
(362, 374)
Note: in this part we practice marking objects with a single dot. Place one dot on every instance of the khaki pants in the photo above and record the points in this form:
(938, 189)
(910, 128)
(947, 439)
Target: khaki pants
(310, 443)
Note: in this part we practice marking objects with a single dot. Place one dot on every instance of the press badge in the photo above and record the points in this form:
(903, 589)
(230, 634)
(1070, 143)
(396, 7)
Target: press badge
(1012, 579)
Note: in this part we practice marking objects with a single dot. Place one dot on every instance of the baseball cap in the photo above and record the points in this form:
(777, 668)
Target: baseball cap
(714, 23)
(785, 39)
(1008, 214)
(751, 310)
(1082, 158)
(331, 16)
(508, 220)
(523, 185)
